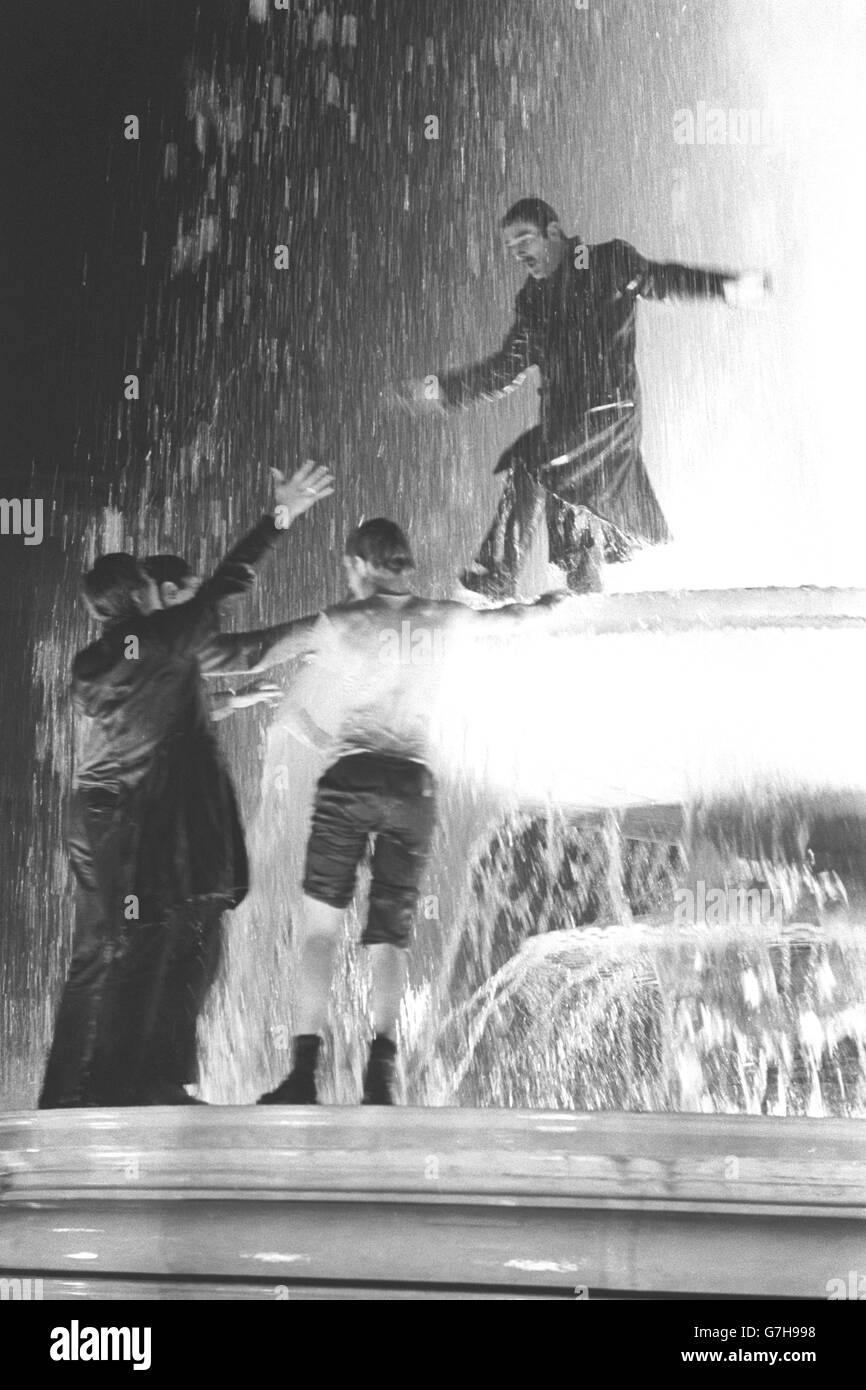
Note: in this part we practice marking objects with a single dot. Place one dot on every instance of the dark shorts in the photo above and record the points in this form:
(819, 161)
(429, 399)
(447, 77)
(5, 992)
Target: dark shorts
(393, 800)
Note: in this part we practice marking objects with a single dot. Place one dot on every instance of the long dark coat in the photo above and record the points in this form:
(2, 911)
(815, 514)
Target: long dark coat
(578, 327)
(155, 842)
(152, 740)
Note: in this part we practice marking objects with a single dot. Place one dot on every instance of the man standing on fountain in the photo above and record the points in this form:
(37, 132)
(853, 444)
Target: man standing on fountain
(379, 650)
(155, 837)
(580, 466)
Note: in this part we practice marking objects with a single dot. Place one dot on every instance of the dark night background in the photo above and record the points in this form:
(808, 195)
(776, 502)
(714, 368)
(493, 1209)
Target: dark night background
(72, 72)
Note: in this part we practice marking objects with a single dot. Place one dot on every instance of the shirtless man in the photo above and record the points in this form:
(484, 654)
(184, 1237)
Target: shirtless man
(380, 649)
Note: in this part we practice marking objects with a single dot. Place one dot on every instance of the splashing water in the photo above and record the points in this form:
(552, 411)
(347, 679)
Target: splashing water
(743, 1017)
(530, 984)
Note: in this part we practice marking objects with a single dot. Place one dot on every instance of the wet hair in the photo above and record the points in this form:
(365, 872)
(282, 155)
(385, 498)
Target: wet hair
(167, 569)
(382, 544)
(110, 586)
(534, 210)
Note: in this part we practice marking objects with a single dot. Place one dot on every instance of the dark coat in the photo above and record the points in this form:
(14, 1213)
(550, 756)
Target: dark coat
(152, 816)
(578, 327)
(152, 746)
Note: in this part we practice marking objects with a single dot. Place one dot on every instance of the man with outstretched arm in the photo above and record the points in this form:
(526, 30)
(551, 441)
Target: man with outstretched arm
(155, 837)
(580, 467)
(379, 652)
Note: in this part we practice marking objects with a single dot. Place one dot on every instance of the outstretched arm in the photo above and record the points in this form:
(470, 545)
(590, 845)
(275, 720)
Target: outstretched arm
(503, 619)
(230, 652)
(489, 379)
(637, 275)
(494, 376)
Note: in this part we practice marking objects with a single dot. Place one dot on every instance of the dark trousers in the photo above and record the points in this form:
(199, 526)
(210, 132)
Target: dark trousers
(156, 987)
(100, 841)
(570, 535)
(128, 1011)
(597, 504)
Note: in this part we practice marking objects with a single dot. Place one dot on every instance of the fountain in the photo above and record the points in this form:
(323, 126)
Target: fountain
(711, 730)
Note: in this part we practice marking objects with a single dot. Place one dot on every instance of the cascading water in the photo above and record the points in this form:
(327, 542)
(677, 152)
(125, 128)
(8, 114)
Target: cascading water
(300, 243)
(731, 1016)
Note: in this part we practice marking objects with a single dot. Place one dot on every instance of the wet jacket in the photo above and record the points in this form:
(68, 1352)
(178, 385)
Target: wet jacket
(578, 327)
(151, 757)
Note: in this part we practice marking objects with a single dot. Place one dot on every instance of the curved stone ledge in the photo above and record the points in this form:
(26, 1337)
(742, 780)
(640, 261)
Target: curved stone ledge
(328, 1202)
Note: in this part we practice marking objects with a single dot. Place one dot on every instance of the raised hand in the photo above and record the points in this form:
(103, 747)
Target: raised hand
(296, 495)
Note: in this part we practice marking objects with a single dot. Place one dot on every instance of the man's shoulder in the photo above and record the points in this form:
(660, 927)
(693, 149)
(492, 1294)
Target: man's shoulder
(616, 246)
(346, 606)
(612, 265)
(616, 252)
(339, 618)
(101, 655)
(102, 665)
(150, 632)
(355, 613)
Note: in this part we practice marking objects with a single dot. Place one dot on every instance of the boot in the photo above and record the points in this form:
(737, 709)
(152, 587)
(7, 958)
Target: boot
(492, 584)
(584, 569)
(380, 1078)
(299, 1087)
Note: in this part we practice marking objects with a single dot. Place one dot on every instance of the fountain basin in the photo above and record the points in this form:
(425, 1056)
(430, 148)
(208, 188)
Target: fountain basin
(339, 1202)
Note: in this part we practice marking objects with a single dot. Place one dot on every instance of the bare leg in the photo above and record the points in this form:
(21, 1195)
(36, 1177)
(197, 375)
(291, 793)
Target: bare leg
(315, 951)
(388, 964)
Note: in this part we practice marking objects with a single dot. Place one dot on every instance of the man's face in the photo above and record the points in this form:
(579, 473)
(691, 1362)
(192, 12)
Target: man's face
(538, 252)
